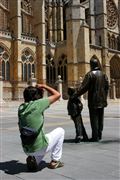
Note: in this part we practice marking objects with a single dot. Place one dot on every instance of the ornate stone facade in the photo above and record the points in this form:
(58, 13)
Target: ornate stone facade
(48, 38)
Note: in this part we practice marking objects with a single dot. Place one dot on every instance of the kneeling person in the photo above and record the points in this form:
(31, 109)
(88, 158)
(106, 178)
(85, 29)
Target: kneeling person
(35, 142)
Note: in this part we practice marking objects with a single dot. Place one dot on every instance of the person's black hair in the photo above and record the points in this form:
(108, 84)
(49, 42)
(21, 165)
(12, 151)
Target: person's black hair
(32, 93)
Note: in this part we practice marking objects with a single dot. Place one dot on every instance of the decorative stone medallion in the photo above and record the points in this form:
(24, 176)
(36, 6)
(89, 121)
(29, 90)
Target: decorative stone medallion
(112, 14)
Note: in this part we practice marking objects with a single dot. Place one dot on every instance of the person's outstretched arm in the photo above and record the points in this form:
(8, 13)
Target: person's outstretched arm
(55, 95)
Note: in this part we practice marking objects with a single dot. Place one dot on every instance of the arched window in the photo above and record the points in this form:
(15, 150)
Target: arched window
(26, 13)
(53, 69)
(4, 55)
(28, 66)
(115, 74)
(4, 14)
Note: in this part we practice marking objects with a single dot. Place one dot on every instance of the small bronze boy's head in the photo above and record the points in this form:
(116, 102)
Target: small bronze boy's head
(71, 91)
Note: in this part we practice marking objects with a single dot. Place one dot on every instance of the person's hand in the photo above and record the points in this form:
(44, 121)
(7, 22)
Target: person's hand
(55, 95)
(41, 85)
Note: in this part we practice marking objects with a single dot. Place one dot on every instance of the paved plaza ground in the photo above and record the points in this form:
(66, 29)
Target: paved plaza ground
(83, 161)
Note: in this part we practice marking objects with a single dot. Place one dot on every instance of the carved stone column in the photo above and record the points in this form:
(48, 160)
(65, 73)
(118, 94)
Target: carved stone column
(114, 89)
(15, 58)
(60, 20)
(39, 30)
(54, 22)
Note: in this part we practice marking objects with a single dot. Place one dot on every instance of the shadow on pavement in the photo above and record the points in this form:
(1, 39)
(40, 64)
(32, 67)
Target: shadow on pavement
(15, 167)
(101, 141)
(69, 141)
(110, 141)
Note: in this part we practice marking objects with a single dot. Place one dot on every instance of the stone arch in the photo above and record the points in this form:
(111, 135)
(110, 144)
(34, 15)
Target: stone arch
(115, 67)
(30, 50)
(5, 47)
(115, 74)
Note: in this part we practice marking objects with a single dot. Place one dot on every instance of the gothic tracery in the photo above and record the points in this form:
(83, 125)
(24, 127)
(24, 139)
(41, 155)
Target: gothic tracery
(27, 64)
(26, 12)
(112, 14)
(4, 55)
(4, 14)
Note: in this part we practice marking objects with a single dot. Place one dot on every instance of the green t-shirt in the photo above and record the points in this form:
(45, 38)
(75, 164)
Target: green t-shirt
(31, 115)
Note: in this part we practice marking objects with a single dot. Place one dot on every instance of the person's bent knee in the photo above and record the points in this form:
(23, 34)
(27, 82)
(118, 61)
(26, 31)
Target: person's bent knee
(61, 130)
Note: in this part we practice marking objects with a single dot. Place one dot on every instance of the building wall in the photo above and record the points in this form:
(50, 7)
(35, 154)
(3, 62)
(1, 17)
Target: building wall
(24, 34)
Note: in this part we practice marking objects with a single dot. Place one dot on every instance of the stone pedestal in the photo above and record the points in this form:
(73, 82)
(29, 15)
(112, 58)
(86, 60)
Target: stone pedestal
(114, 89)
(32, 81)
(59, 86)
